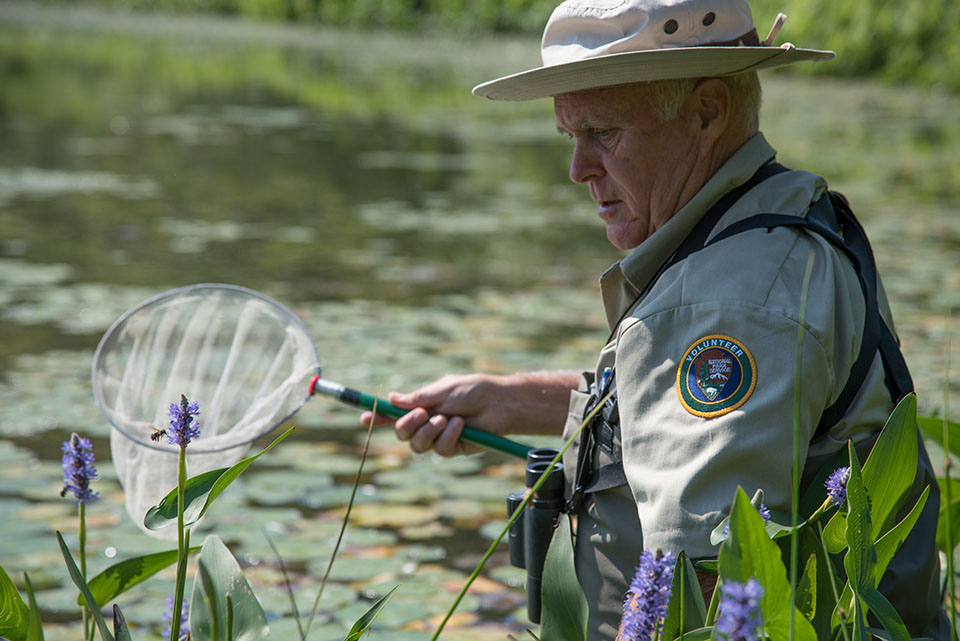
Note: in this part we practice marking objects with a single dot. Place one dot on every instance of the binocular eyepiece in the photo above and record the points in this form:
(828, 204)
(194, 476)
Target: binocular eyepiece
(531, 533)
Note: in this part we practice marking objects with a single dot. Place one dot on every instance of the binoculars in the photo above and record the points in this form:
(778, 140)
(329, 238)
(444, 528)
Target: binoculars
(531, 533)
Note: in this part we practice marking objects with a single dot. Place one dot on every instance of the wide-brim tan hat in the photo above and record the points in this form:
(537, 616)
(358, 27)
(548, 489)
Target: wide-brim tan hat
(588, 44)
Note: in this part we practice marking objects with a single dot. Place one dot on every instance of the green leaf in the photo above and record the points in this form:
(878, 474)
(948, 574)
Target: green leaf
(861, 559)
(860, 556)
(35, 626)
(886, 614)
(564, 613)
(120, 625)
(887, 475)
(200, 492)
(948, 516)
(700, 634)
(14, 613)
(364, 622)
(686, 600)
(78, 581)
(749, 552)
(220, 576)
(834, 532)
(122, 576)
(932, 429)
(820, 581)
(889, 543)
(806, 601)
(891, 467)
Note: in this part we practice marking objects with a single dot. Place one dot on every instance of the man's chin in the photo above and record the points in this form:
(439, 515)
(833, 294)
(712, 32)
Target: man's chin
(622, 239)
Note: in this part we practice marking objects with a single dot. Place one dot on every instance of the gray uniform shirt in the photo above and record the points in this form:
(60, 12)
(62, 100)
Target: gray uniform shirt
(705, 365)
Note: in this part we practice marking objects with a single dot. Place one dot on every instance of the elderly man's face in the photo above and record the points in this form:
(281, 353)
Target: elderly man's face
(635, 165)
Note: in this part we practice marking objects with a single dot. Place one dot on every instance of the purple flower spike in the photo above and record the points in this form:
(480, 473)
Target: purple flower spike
(740, 610)
(184, 619)
(78, 469)
(183, 427)
(764, 513)
(836, 485)
(646, 604)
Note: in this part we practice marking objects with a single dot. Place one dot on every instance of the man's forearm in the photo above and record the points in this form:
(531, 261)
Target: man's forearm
(539, 402)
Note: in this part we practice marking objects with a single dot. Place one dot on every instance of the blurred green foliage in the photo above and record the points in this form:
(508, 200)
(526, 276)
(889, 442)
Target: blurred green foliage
(916, 42)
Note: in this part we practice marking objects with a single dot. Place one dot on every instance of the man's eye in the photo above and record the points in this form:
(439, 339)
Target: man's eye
(601, 133)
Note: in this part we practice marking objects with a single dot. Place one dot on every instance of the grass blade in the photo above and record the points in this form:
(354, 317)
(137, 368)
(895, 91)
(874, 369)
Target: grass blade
(343, 525)
(78, 581)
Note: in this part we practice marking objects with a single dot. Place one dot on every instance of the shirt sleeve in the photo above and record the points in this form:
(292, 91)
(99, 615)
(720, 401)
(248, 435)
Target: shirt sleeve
(706, 394)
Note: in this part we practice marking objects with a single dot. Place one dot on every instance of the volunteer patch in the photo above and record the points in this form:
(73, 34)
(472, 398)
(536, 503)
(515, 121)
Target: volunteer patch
(717, 374)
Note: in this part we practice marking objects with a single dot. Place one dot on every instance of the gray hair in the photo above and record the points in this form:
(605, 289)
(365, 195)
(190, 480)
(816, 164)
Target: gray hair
(668, 96)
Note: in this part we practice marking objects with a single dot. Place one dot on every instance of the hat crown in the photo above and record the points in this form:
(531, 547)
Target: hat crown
(581, 29)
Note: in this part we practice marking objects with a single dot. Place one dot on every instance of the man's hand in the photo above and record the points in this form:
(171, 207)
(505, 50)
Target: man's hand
(532, 403)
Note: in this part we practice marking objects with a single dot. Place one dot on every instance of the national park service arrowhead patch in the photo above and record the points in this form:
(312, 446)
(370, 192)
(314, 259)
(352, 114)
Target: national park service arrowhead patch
(717, 375)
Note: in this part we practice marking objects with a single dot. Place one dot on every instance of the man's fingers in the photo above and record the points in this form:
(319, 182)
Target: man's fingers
(424, 438)
(448, 441)
(410, 423)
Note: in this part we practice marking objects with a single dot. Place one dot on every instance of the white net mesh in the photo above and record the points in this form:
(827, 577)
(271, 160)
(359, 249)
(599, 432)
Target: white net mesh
(243, 357)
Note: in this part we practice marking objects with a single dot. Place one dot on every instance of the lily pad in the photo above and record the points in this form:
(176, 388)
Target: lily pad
(380, 515)
(349, 569)
(286, 628)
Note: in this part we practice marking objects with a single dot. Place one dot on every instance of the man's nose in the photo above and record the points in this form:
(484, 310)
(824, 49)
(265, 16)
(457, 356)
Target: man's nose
(585, 165)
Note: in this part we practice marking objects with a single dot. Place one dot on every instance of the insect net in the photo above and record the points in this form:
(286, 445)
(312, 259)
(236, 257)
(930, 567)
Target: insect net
(243, 357)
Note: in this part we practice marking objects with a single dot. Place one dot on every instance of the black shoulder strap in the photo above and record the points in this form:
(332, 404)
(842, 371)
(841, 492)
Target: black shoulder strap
(832, 218)
(697, 238)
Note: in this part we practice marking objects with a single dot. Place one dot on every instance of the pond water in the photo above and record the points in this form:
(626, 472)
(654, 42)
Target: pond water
(414, 229)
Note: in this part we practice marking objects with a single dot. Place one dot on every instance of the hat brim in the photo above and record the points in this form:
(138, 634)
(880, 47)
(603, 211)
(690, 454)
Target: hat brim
(641, 66)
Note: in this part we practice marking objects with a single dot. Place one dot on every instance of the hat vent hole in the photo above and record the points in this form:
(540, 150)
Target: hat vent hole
(670, 27)
(709, 18)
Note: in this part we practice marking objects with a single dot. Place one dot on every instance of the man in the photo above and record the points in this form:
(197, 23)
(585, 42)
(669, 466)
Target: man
(661, 100)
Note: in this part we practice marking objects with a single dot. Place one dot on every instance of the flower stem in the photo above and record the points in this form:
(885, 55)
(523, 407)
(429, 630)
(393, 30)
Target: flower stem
(833, 582)
(82, 538)
(947, 468)
(182, 538)
(795, 481)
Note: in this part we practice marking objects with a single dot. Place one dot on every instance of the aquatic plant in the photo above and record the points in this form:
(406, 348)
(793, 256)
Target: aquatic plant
(183, 428)
(78, 471)
(183, 424)
(645, 607)
(836, 485)
(740, 610)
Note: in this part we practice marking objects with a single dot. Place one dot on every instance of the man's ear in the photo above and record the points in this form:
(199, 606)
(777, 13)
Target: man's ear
(712, 103)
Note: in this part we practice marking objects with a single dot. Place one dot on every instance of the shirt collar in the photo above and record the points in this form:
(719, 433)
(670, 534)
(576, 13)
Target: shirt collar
(622, 283)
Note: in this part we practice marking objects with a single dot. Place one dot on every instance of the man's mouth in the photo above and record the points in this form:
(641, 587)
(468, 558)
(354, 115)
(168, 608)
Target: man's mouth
(604, 206)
